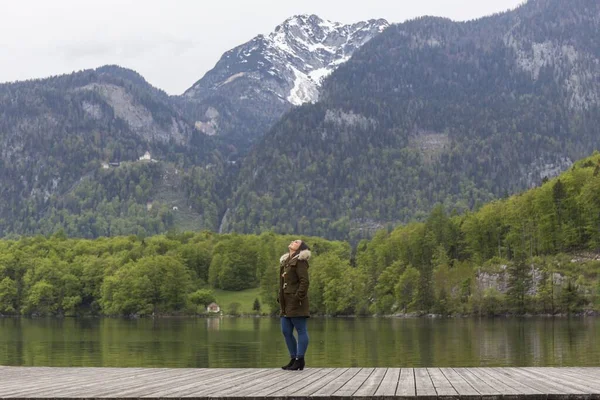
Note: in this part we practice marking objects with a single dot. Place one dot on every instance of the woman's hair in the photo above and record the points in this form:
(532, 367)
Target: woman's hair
(303, 246)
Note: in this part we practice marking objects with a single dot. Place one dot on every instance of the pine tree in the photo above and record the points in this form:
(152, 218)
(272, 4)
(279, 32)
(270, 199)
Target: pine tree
(519, 284)
(256, 306)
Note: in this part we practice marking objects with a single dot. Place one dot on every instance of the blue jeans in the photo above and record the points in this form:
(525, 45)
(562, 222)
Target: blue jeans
(287, 328)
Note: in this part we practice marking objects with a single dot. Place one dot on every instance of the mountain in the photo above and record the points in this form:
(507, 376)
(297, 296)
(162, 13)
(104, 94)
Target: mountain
(58, 133)
(427, 112)
(254, 84)
(73, 145)
(431, 111)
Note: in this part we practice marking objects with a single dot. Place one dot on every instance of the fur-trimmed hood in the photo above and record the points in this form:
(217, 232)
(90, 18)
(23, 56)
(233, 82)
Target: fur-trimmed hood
(303, 255)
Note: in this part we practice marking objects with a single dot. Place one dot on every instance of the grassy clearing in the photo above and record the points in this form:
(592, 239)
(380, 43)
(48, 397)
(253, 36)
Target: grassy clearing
(244, 297)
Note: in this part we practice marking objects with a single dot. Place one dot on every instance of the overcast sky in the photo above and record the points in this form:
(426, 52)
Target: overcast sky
(173, 43)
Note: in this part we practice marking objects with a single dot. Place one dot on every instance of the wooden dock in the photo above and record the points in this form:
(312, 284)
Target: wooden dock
(312, 383)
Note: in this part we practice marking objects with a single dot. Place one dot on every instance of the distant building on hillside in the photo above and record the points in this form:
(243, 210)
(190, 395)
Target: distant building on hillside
(213, 308)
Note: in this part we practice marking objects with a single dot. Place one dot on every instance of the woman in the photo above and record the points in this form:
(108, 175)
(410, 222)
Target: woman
(293, 301)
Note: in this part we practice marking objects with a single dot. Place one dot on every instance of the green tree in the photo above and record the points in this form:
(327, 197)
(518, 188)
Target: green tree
(570, 298)
(201, 298)
(150, 285)
(546, 293)
(8, 296)
(384, 289)
(492, 303)
(234, 308)
(41, 299)
(406, 288)
(256, 306)
(519, 284)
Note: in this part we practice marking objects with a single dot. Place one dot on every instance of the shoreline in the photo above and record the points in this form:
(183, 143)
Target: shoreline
(585, 314)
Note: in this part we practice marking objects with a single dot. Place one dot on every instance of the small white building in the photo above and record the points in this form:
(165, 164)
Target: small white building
(213, 308)
(146, 157)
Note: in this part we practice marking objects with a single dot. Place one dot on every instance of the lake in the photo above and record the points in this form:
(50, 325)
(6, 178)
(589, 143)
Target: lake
(334, 342)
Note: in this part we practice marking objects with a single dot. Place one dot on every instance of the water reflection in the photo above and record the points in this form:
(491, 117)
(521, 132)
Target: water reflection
(336, 342)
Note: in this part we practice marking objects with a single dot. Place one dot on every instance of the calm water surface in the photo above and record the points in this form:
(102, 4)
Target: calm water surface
(334, 342)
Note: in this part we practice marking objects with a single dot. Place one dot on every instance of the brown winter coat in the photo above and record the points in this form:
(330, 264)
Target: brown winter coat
(293, 285)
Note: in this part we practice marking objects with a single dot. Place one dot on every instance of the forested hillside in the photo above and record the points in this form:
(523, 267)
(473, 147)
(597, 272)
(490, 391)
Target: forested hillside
(536, 252)
(56, 135)
(427, 112)
(431, 111)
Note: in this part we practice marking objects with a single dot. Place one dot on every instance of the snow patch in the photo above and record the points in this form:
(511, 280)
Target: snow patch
(305, 90)
(313, 48)
(233, 77)
(318, 75)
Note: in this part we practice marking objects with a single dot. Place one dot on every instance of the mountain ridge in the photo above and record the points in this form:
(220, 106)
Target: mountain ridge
(57, 130)
(431, 111)
(427, 112)
(255, 83)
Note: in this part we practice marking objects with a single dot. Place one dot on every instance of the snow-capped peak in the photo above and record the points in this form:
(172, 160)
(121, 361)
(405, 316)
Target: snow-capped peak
(253, 84)
(313, 47)
(299, 54)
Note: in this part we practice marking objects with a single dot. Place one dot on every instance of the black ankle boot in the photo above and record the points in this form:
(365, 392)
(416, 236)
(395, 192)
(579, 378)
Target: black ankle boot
(288, 365)
(297, 365)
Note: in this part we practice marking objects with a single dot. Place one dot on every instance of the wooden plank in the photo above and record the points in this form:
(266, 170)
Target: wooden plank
(246, 387)
(423, 384)
(323, 375)
(552, 392)
(442, 385)
(531, 383)
(140, 388)
(567, 380)
(202, 378)
(508, 392)
(337, 383)
(64, 379)
(388, 385)
(215, 386)
(522, 389)
(206, 381)
(19, 383)
(354, 384)
(135, 385)
(406, 384)
(117, 380)
(595, 371)
(551, 383)
(319, 383)
(486, 391)
(281, 381)
(45, 375)
(462, 387)
(369, 387)
(226, 380)
(585, 372)
(139, 384)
